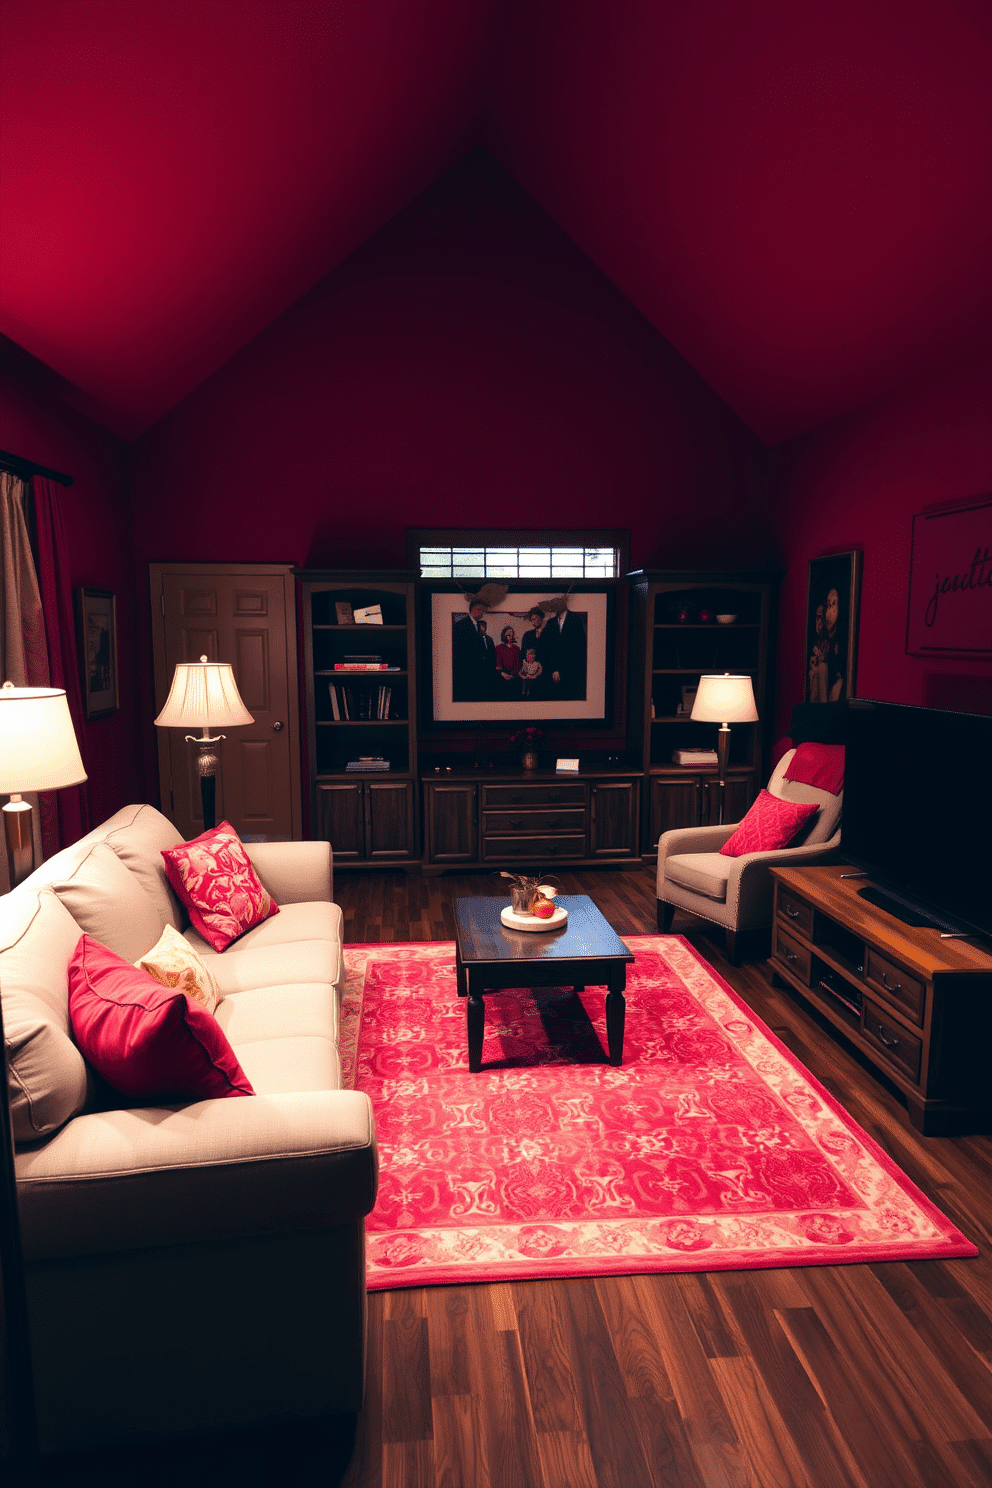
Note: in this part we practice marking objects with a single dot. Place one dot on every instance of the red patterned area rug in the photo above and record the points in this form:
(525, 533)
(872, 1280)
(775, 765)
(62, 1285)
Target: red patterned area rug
(711, 1148)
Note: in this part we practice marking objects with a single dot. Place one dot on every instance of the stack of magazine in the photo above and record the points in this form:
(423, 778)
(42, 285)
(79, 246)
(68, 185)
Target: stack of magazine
(367, 762)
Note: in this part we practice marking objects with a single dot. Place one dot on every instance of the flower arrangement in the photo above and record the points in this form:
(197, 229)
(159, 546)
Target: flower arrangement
(530, 737)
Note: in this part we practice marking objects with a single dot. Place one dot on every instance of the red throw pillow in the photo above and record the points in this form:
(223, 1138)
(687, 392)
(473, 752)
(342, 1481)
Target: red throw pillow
(821, 765)
(214, 878)
(770, 823)
(146, 1040)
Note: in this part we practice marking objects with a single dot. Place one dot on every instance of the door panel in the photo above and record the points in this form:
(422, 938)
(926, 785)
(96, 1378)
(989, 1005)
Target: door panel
(614, 816)
(389, 818)
(341, 819)
(244, 614)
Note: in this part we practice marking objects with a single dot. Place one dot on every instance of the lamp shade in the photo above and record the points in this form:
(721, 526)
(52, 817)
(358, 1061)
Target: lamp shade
(725, 699)
(203, 694)
(38, 749)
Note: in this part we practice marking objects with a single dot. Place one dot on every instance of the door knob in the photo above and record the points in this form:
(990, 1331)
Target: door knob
(277, 725)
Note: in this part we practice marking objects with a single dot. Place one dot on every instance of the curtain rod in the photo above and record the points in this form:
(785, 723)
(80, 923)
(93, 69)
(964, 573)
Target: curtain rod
(18, 466)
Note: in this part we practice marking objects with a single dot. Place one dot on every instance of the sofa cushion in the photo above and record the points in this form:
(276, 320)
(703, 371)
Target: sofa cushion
(213, 876)
(240, 970)
(147, 1040)
(174, 963)
(771, 823)
(701, 873)
(139, 840)
(47, 1075)
(108, 902)
(295, 923)
(285, 1037)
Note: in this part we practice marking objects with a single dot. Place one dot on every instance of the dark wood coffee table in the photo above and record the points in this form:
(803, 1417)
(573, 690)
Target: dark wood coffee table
(585, 952)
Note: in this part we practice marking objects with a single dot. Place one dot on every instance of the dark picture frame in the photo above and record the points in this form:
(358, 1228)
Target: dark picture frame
(592, 606)
(833, 607)
(96, 643)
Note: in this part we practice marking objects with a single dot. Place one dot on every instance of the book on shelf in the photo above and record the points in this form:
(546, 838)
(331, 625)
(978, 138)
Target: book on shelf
(364, 666)
(695, 757)
(360, 766)
(335, 709)
(356, 656)
(369, 615)
(342, 608)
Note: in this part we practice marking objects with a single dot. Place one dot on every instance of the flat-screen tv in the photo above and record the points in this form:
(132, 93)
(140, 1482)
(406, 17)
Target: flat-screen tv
(918, 811)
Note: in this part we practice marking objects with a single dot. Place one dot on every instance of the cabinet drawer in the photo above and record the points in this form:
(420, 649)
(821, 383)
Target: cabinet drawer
(793, 955)
(509, 823)
(895, 1045)
(906, 991)
(795, 912)
(548, 794)
(545, 849)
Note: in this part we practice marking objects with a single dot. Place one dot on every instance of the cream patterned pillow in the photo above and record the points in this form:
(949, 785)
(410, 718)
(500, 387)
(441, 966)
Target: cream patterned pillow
(174, 963)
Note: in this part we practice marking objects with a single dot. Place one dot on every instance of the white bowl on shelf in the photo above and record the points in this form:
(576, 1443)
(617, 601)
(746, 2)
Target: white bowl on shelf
(725, 619)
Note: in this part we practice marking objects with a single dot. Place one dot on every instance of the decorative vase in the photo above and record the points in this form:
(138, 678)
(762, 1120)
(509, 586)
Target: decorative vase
(529, 759)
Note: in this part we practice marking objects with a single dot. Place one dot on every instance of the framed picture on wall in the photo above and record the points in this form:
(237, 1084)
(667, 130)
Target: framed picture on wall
(517, 661)
(833, 607)
(96, 641)
(950, 580)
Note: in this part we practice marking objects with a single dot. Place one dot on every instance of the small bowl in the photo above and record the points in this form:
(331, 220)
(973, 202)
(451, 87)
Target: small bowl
(725, 619)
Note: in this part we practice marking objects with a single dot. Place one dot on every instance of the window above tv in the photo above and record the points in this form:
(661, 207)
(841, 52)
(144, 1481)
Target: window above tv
(510, 553)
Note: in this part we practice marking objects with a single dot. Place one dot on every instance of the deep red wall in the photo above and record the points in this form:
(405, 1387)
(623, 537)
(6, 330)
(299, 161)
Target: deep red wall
(467, 366)
(38, 426)
(856, 483)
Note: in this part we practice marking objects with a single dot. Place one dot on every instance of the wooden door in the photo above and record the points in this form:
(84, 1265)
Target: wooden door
(389, 818)
(341, 819)
(613, 831)
(244, 614)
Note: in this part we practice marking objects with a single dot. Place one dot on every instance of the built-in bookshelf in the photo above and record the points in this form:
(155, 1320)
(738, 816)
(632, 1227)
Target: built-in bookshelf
(360, 687)
(677, 639)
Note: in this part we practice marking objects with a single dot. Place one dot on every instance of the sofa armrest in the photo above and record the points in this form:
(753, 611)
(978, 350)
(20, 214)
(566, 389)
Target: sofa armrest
(155, 1176)
(294, 872)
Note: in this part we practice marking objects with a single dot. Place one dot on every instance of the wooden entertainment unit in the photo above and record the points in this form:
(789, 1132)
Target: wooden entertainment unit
(919, 1007)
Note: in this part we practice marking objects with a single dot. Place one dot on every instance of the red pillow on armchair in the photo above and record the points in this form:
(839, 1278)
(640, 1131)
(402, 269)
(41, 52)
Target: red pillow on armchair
(214, 878)
(771, 823)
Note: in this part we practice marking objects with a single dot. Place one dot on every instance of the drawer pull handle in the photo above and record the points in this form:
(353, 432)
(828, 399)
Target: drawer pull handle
(516, 797)
(889, 1043)
(553, 821)
(890, 986)
(552, 847)
(554, 795)
(792, 912)
(516, 823)
(790, 955)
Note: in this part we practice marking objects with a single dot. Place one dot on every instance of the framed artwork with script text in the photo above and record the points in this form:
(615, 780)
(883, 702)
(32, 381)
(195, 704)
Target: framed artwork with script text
(950, 580)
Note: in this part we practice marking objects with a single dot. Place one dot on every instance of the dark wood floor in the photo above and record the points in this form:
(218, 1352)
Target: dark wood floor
(821, 1376)
(874, 1376)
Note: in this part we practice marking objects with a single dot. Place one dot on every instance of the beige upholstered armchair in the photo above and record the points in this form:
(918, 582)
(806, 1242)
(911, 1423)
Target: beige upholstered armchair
(737, 892)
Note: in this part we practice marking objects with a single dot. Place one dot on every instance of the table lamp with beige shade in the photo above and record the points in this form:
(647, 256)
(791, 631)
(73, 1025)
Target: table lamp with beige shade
(204, 695)
(724, 699)
(38, 752)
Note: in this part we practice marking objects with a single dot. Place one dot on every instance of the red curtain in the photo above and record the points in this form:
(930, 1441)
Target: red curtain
(65, 814)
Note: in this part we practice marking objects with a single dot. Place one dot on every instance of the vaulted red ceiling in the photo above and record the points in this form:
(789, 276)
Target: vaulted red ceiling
(799, 197)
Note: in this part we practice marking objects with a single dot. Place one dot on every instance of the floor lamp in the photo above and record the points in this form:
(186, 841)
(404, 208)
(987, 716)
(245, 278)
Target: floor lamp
(204, 695)
(724, 700)
(38, 752)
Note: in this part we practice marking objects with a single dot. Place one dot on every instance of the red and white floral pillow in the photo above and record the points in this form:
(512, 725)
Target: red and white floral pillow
(214, 878)
(771, 823)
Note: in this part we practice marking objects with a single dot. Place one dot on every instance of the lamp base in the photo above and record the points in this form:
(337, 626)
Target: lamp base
(722, 755)
(206, 766)
(17, 819)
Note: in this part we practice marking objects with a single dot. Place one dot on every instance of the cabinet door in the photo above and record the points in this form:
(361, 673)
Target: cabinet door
(451, 823)
(613, 828)
(389, 818)
(674, 803)
(736, 802)
(341, 819)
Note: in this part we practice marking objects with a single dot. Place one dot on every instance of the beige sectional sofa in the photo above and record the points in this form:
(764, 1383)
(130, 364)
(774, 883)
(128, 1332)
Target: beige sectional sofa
(190, 1267)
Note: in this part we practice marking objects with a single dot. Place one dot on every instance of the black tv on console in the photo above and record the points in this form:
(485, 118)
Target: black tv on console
(918, 812)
